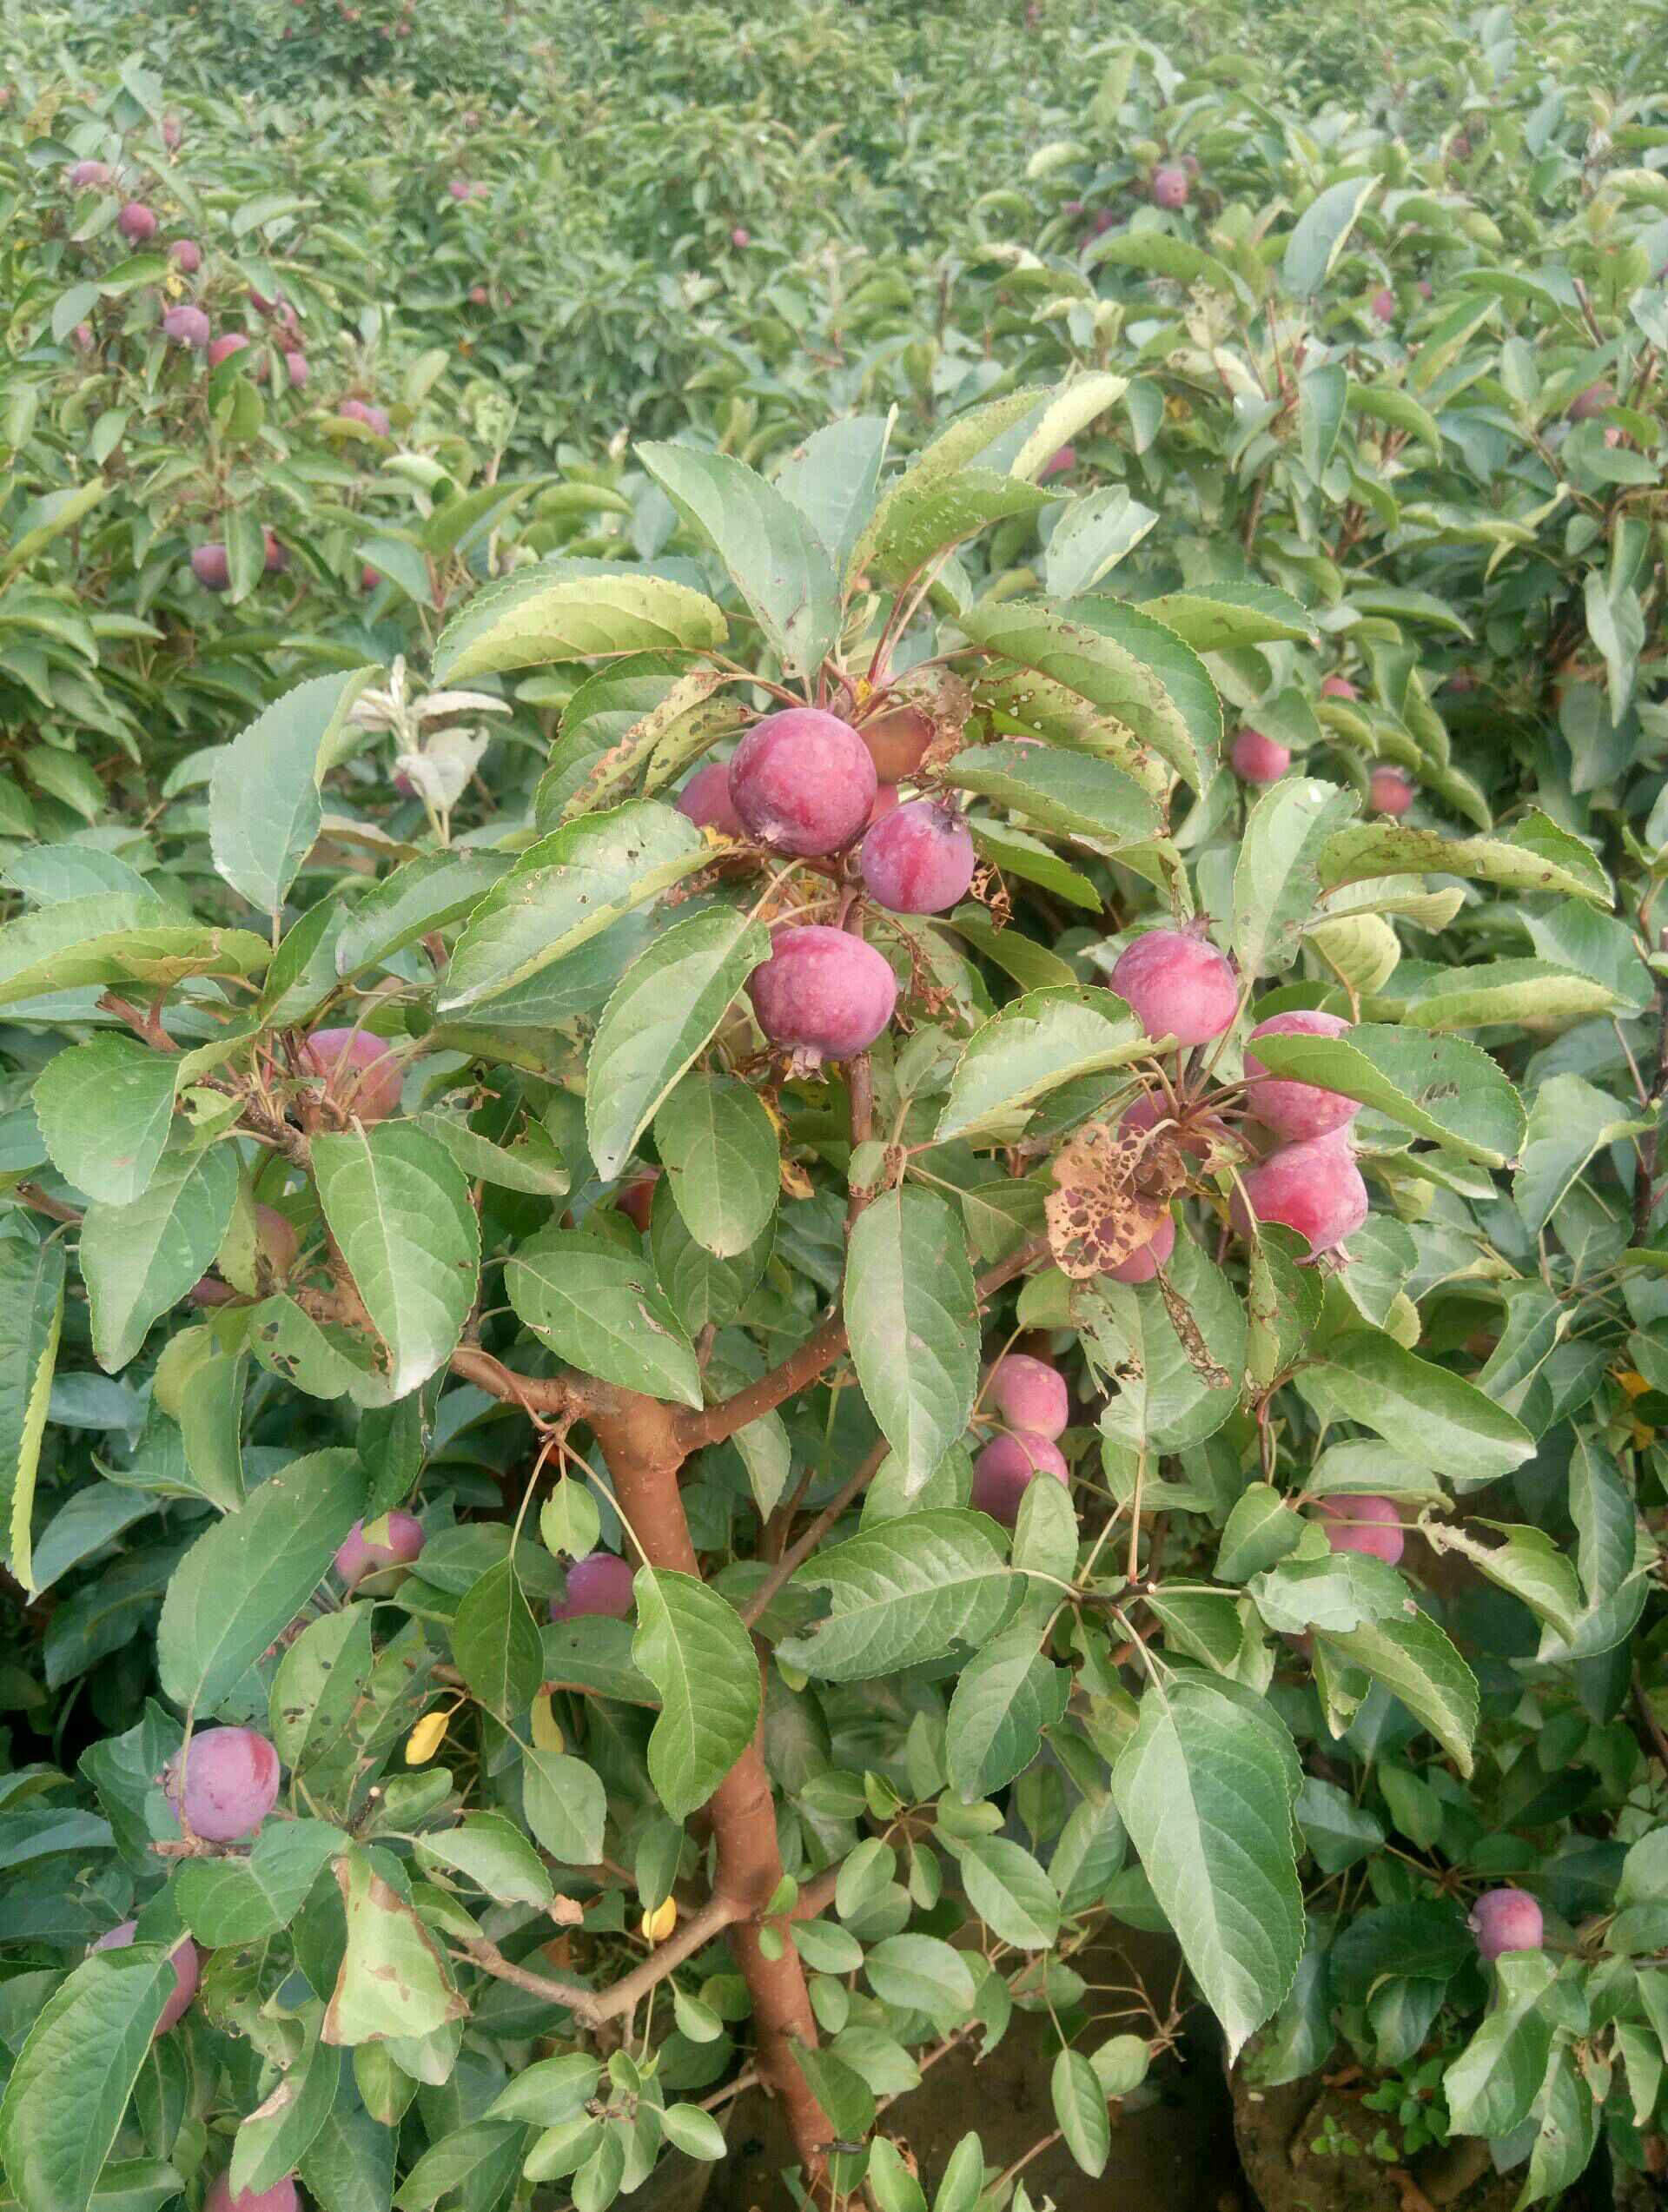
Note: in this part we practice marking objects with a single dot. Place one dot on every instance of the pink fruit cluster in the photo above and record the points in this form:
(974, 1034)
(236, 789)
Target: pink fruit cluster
(1032, 1398)
(136, 223)
(222, 1784)
(186, 326)
(705, 800)
(183, 1957)
(1258, 758)
(373, 417)
(599, 1583)
(357, 1558)
(918, 858)
(1291, 1110)
(822, 994)
(1390, 791)
(898, 738)
(802, 781)
(1505, 1920)
(1176, 984)
(1313, 1188)
(359, 1071)
(1367, 1523)
(1171, 185)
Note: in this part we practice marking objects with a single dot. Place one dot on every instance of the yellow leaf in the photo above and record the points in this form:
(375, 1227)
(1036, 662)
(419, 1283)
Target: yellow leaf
(428, 1736)
(1632, 1380)
(546, 1731)
(658, 1924)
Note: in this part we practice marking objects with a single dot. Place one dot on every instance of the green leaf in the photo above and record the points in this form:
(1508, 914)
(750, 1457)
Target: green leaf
(427, 894)
(1441, 1087)
(1415, 1662)
(1080, 2107)
(272, 2142)
(264, 806)
(718, 1147)
(1491, 2088)
(393, 1978)
(1337, 1831)
(911, 1315)
(833, 479)
(566, 1805)
(692, 1644)
(564, 890)
(1427, 994)
(229, 1900)
(1005, 1698)
(1175, 1387)
(1538, 856)
(68, 2091)
(1445, 1423)
(496, 1642)
(1529, 1565)
(1230, 615)
(1029, 1048)
(531, 1164)
(954, 509)
(1160, 253)
(572, 610)
(1321, 232)
(1057, 418)
(1009, 1891)
(1071, 792)
(140, 1259)
(105, 1110)
(1206, 1788)
(663, 1013)
(778, 564)
(696, 2134)
(921, 1974)
(1338, 1591)
(31, 1315)
(247, 1577)
(1261, 1528)
(1091, 537)
(118, 939)
(1571, 1121)
(398, 1206)
(549, 2091)
(1276, 880)
(494, 1857)
(902, 1594)
(969, 434)
(600, 1308)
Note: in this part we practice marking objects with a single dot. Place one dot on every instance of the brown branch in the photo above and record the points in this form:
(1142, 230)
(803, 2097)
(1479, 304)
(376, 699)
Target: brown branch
(800, 1551)
(32, 1195)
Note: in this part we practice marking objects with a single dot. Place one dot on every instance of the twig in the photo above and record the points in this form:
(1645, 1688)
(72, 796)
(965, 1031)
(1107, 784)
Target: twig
(797, 1552)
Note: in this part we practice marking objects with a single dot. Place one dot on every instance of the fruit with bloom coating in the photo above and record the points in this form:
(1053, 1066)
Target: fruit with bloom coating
(887, 799)
(210, 1290)
(741, 239)
(919, 859)
(478, 295)
(212, 567)
(1258, 758)
(1060, 462)
(1367, 1523)
(186, 326)
(356, 1557)
(1582, 408)
(1384, 304)
(275, 1234)
(222, 1784)
(297, 369)
(1314, 1187)
(183, 1959)
(1176, 984)
(1506, 1920)
(898, 741)
(705, 801)
(637, 1198)
(280, 2197)
(1146, 1260)
(90, 176)
(1004, 1471)
(1338, 688)
(370, 578)
(802, 781)
(1390, 791)
(600, 1582)
(822, 993)
(358, 1069)
(1171, 185)
(186, 254)
(277, 555)
(231, 341)
(373, 417)
(1292, 1110)
(136, 223)
(1030, 1394)
(82, 337)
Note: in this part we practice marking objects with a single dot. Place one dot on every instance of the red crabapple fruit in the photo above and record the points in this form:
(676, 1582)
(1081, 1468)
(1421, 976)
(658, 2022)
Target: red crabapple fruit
(601, 1582)
(186, 255)
(90, 176)
(280, 2197)
(1176, 984)
(919, 859)
(478, 295)
(82, 337)
(1425, 289)
(357, 1070)
(1582, 408)
(1505, 1920)
(183, 1958)
(297, 371)
(210, 1290)
(136, 223)
(277, 555)
(1384, 304)
(230, 1785)
(234, 342)
(1003, 1472)
(1390, 791)
(212, 567)
(1030, 1394)
(1292, 1110)
(898, 741)
(1060, 462)
(1258, 758)
(1171, 187)
(276, 1236)
(1314, 1187)
(1146, 1260)
(1368, 1524)
(822, 993)
(373, 417)
(802, 781)
(741, 239)
(886, 800)
(705, 801)
(370, 578)
(636, 1200)
(356, 1557)
(1338, 688)
(186, 327)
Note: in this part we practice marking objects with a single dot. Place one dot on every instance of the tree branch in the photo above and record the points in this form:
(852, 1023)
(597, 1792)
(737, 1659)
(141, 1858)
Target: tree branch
(797, 1553)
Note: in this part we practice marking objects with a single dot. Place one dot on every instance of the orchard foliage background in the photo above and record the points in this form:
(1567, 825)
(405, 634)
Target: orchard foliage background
(529, 1612)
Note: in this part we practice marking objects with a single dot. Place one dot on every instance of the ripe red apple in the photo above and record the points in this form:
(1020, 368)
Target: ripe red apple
(888, 797)
(1390, 791)
(705, 801)
(211, 568)
(373, 417)
(358, 1068)
(919, 859)
(276, 1234)
(1176, 984)
(356, 1558)
(90, 176)
(823, 992)
(636, 1198)
(898, 740)
(222, 1784)
(233, 341)
(1367, 1523)
(370, 578)
(1030, 1394)
(210, 1290)
(1506, 1920)
(802, 781)
(1145, 1261)
(1169, 187)
(1060, 462)
(1292, 1110)
(297, 369)
(183, 1959)
(186, 327)
(1258, 758)
(601, 1582)
(1338, 688)
(1004, 1470)
(172, 133)
(186, 254)
(136, 223)
(1314, 1187)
